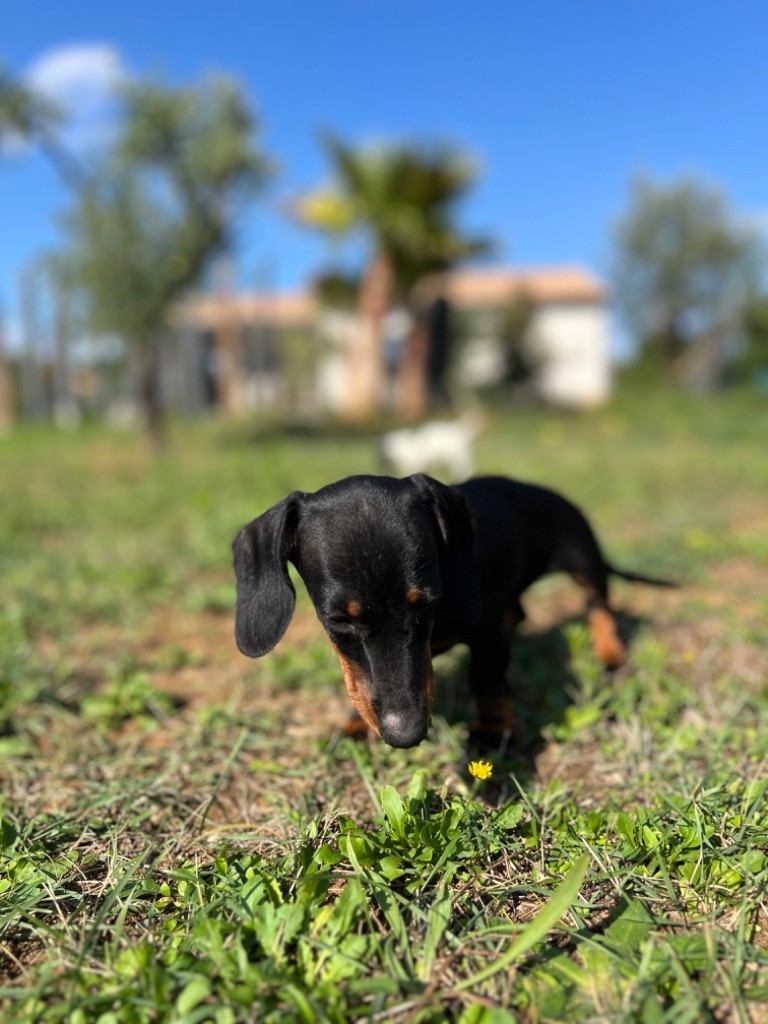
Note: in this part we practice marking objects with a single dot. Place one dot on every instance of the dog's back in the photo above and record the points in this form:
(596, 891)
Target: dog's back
(524, 531)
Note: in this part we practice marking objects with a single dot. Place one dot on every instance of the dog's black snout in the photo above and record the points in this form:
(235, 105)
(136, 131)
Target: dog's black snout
(399, 730)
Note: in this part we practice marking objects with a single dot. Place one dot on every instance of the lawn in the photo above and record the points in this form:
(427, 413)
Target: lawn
(185, 836)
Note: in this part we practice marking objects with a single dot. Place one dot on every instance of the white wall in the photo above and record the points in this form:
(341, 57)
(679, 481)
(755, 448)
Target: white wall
(337, 330)
(572, 340)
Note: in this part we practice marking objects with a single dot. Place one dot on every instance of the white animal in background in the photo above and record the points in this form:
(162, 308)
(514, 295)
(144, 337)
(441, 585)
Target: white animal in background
(438, 443)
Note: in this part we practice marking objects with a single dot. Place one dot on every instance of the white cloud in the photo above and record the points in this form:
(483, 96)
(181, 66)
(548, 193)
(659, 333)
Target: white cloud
(78, 74)
(81, 79)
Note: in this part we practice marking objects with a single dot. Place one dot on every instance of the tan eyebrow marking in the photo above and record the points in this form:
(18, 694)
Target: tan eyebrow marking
(354, 609)
(413, 595)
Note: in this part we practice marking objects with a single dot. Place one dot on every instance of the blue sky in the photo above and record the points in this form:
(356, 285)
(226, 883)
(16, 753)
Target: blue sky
(561, 101)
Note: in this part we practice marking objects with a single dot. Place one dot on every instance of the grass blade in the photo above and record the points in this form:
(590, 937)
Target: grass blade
(536, 930)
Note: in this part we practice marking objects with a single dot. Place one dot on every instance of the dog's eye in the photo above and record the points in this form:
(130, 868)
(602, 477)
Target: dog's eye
(342, 622)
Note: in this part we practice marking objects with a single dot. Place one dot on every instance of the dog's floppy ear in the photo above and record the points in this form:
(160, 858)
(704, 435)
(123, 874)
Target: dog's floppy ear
(456, 543)
(265, 594)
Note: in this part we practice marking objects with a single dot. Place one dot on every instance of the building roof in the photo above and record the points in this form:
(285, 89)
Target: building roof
(491, 286)
(280, 309)
(467, 289)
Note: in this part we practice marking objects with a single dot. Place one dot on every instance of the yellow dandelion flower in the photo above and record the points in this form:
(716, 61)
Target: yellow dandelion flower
(480, 769)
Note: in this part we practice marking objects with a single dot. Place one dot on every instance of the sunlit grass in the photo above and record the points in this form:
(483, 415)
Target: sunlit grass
(186, 835)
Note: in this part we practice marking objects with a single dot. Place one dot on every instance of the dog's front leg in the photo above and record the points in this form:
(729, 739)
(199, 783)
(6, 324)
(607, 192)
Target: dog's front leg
(494, 725)
(355, 727)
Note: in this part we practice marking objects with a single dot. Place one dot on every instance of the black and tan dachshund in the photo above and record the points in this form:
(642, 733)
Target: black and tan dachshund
(401, 570)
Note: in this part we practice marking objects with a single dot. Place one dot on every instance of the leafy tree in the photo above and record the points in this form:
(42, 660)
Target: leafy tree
(402, 200)
(27, 115)
(337, 289)
(683, 266)
(161, 206)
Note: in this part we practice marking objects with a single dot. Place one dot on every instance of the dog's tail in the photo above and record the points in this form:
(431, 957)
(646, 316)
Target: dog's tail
(636, 577)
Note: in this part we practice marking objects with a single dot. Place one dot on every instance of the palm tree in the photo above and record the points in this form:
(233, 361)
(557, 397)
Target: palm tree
(402, 200)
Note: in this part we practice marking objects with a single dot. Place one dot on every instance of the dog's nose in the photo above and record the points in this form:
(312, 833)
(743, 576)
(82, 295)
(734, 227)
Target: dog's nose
(400, 730)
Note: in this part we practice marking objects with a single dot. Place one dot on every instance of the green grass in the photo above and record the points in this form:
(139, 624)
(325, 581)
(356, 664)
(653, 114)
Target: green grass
(185, 837)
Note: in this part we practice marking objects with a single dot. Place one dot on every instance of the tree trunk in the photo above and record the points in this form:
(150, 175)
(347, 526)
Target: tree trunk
(65, 410)
(671, 348)
(366, 369)
(149, 390)
(421, 379)
(412, 383)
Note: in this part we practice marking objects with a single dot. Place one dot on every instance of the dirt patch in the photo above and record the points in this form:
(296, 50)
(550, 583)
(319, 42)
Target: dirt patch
(193, 658)
(18, 952)
(214, 669)
(572, 766)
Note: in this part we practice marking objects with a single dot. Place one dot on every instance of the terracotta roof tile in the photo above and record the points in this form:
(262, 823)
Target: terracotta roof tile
(283, 309)
(480, 286)
(490, 286)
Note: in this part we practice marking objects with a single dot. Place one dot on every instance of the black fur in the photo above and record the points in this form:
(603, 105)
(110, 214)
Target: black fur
(265, 594)
(373, 542)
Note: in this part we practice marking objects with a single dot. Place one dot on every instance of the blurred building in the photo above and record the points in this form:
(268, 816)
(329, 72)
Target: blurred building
(247, 351)
(565, 336)
(535, 333)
